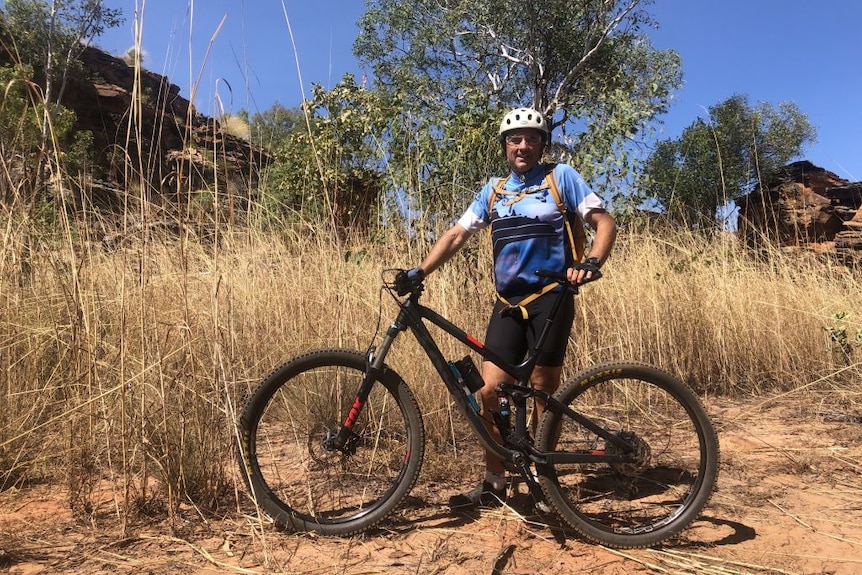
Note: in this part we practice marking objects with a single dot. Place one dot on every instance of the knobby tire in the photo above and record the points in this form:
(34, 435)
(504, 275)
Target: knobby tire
(303, 486)
(634, 504)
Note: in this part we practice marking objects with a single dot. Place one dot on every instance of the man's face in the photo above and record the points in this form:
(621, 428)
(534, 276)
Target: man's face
(524, 148)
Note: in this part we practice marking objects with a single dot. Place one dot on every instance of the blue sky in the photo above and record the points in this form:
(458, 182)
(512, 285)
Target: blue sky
(770, 50)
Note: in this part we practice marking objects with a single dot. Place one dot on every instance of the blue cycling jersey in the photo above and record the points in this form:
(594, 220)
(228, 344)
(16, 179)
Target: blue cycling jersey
(527, 228)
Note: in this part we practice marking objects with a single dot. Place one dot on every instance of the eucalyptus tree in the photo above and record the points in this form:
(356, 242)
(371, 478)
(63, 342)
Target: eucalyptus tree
(328, 155)
(724, 156)
(587, 64)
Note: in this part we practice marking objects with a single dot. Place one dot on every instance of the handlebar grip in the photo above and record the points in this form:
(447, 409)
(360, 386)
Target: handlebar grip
(554, 275)
(408, 281)
(563, 278)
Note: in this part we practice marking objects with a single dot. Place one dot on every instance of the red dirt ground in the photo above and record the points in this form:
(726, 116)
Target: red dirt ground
(789, 502)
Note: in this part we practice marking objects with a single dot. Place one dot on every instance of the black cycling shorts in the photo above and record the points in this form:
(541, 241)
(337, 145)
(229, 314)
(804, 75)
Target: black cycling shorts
(511, 337)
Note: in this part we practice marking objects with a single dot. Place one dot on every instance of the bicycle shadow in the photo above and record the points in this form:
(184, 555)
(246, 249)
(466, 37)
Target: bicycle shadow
(705, 531)
(739, 533)
(688, 539)
(418, 513)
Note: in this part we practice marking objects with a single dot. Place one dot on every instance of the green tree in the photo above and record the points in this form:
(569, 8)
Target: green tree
(724, 157)
(274, 125)
(586, 64)
(20, 127)
(49, 37)
(52, 35)
(331, 165)
(21, 118)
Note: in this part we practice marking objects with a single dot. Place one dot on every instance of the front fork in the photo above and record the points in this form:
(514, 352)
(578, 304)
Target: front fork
(374, 366)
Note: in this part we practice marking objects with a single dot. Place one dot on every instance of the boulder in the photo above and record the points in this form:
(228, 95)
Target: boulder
(139, 119)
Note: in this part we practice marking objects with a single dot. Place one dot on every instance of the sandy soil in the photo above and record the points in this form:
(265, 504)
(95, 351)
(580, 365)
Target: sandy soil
(789, 502)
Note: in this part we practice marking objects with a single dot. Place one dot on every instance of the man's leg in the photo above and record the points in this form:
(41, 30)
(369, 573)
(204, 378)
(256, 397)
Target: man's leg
(545, 379)
(493, 376)
(492, 490)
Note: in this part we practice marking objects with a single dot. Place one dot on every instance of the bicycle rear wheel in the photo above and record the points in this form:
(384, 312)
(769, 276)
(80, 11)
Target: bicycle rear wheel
(640, 503)
(295, 479)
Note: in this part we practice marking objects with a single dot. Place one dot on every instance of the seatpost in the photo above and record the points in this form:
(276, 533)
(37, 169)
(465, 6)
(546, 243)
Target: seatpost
(546, 329)
(565, 286)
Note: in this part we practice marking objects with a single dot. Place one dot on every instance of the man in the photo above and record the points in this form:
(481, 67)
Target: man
(528, 233)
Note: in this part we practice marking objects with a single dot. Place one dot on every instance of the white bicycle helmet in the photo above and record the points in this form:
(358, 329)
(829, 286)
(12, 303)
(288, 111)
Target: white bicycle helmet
(523, 118)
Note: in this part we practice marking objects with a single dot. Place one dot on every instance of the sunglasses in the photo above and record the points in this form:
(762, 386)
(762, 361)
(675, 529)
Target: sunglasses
(531, 140)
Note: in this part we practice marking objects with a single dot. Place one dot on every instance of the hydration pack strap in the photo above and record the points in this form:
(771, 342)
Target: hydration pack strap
(521, 306)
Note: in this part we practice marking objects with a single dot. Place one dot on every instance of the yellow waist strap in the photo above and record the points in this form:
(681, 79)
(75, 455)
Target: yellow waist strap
(521, 305)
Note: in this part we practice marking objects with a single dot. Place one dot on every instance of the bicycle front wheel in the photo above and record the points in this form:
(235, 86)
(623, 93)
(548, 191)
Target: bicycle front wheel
(663, 489)
(303, 485)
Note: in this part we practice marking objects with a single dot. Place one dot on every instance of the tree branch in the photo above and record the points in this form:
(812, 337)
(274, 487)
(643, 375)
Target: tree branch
(563, 89)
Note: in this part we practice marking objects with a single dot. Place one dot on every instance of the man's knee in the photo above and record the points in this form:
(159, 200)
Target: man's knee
(493, 376)
(489, 394)
(546, 379)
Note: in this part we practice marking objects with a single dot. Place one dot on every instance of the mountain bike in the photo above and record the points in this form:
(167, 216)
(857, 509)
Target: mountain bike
(332, 441)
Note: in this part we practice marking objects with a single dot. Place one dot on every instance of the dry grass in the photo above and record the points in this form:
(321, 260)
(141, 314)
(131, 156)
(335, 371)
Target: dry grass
(130, 363)
(726, 321)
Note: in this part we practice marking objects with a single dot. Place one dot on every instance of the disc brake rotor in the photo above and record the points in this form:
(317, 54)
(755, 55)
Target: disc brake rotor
(642, 455)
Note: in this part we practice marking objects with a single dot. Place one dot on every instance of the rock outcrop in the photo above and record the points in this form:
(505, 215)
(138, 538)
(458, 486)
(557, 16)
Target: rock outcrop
(146, 135)
(805, 206)
(157, 130)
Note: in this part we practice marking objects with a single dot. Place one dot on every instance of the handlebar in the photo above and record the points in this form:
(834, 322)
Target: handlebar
(406, 282)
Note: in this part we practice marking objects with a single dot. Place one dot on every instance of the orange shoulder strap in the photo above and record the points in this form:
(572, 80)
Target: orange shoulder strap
(577, 236)
(499, 188)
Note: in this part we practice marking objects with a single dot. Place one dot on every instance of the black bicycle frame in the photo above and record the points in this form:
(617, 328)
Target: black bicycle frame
(411, 316)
